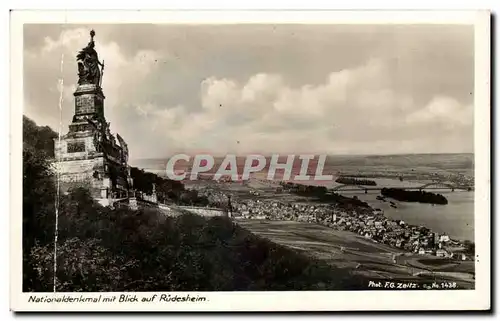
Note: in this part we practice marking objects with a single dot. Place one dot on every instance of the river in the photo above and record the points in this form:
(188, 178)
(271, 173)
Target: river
(455, 219)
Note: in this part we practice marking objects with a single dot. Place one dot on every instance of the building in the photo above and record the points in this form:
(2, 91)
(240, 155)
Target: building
(88, 155)
(459, 256)
(444, 238)
(441, 253)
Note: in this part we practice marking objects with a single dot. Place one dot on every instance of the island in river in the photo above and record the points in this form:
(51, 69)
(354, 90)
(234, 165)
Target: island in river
(414, 196)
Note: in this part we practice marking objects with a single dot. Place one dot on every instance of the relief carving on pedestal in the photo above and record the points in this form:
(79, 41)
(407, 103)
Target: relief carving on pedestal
(84, 104)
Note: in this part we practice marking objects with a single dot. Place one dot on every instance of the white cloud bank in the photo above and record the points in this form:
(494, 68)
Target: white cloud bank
(355, 110)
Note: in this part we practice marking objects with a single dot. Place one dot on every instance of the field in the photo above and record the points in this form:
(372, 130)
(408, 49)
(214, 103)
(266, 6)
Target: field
(348, 250)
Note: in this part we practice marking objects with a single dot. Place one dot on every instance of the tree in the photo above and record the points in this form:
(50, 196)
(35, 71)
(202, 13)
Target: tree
(470, 248)
(40, 138)
(39, 193)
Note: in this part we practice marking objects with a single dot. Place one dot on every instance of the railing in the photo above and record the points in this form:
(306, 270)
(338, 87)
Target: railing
(200, 208)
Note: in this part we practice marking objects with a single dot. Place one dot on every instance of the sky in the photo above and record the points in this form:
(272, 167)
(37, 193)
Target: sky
(287, 89)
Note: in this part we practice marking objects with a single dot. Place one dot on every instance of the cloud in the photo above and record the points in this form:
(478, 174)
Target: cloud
(257, 89)
(446, 111)
(354, 111)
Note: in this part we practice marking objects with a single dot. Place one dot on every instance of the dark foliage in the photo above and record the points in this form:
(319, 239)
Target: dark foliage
(122, 250)
(38, 193)
(470, 248)
(355, 181)
(40, 138)
(414, 196)
(167, 191)
(321, 194)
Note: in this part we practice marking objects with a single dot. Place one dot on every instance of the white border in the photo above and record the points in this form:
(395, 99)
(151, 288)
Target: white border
(274, 301)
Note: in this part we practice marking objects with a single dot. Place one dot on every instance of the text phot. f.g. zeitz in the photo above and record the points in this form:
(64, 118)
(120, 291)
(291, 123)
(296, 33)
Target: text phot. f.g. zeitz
(181, 166)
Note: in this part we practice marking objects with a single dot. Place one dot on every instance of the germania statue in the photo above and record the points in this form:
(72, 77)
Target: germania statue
(88, 64)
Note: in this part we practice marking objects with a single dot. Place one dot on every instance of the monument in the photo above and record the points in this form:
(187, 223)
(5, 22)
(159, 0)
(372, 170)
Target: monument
(89, 154)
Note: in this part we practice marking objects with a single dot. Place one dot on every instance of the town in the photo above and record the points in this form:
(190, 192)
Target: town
(374, 226)
(365, 221)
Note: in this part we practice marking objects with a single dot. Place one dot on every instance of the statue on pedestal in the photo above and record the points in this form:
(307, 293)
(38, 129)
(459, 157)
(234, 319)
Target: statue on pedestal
(88, 64)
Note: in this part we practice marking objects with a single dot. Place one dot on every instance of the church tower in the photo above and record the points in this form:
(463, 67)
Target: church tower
(89, 155)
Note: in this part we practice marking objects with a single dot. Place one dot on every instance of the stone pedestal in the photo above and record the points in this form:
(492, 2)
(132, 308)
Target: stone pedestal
(89, 103)
(88, 155)
(82, 163)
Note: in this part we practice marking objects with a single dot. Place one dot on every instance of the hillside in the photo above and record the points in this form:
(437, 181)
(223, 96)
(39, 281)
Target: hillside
(104, 249)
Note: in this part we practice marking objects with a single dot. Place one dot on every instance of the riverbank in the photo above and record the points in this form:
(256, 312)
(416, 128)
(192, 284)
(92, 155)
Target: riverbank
(455, 219)
(262, 200)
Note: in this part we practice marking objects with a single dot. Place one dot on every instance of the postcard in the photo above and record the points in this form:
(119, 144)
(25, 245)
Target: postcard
(250, 161)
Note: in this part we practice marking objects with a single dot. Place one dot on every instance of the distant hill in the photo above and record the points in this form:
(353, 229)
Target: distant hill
(444, 164)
